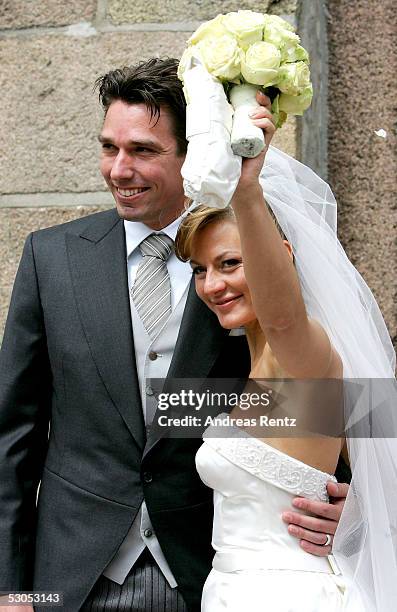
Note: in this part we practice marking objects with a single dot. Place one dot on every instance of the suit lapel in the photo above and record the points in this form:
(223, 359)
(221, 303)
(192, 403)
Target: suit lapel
(199, 340)
(97, 260)
(196, 350)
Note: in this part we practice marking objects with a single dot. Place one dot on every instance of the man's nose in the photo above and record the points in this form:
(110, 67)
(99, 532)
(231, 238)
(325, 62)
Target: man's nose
(122, 167)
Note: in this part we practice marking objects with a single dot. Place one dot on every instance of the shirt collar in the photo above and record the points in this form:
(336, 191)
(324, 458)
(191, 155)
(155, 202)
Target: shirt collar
(135, 232)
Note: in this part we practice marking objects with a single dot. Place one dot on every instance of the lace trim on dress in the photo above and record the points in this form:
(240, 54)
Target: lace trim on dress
(268, 463)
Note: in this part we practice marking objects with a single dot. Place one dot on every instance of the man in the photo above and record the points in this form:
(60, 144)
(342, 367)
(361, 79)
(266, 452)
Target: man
(123, 521)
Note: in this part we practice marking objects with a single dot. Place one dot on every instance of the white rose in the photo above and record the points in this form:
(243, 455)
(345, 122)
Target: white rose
(221, 56)
(260, 64)
(282, 39)
(293, 78)
(209, 29)
(278, 22)
(296, 105)
(246, 26)
(295, 54)
(281, 34)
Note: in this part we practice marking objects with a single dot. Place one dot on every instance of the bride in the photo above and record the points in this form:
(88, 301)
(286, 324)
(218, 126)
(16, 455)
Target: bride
(251, 276)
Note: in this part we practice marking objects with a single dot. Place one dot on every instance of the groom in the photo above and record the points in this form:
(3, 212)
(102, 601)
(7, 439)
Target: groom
(123, 520)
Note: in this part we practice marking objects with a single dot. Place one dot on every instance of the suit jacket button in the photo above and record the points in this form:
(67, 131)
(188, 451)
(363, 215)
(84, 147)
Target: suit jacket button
(153, 355)
(147, 476)
(148, 533)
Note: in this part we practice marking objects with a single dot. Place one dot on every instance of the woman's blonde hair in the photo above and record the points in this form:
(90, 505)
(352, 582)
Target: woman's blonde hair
(194, 222)
(198, 219)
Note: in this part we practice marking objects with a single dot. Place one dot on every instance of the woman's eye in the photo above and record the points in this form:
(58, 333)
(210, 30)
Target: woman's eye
(198, 270)
(229, 263)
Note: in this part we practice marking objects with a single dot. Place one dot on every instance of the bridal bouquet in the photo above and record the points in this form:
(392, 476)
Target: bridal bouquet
(246, 51)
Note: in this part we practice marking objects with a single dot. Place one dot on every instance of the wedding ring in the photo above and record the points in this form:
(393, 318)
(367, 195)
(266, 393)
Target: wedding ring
(328, 540)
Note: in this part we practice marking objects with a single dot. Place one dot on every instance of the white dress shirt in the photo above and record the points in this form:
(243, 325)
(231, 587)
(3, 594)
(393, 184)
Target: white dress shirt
(153, 358)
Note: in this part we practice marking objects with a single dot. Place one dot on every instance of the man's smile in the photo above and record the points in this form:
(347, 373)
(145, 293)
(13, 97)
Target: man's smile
(141, 164)
(131, 191)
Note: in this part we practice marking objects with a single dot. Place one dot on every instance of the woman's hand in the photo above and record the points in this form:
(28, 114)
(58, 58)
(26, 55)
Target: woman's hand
(263, 118)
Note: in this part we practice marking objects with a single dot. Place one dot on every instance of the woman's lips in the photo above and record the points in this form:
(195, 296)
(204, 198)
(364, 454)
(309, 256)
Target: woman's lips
(227, 304)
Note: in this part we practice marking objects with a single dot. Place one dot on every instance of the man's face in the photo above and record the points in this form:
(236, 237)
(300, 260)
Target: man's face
(140, 164)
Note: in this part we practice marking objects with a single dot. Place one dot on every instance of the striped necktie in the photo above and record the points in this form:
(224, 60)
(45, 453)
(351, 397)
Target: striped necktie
(151, 292)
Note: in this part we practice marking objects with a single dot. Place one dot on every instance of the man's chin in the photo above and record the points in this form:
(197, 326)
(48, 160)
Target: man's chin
(156, 220)
(135, 216)
(128, 213)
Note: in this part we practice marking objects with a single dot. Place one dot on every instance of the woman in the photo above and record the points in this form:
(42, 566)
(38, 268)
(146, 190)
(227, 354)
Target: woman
(245, 272)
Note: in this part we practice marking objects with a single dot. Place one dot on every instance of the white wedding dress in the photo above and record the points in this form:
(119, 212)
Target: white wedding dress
(258, 566)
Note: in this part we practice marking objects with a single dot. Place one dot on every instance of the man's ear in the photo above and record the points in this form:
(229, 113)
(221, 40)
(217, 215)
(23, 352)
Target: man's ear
(289, 249)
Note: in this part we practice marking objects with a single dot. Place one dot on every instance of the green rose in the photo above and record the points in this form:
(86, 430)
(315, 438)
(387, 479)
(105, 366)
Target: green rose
(209, 29)
(296, 105)
(260, 64)
(246, 26)
(221, 56)
(293, 78)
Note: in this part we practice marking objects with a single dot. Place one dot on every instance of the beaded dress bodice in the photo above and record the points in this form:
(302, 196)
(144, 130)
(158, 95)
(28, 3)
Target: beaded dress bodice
(253, 484)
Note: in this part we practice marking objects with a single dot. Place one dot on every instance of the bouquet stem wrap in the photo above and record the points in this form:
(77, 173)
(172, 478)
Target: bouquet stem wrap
(211, 170)
(247, 140)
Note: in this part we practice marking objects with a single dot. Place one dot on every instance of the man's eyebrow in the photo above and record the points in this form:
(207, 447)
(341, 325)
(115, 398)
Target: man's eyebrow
(131, 143)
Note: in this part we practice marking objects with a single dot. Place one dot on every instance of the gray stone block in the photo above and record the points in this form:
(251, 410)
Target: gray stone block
(314, 124)
(140, 11)
(51, 117)
(363, 165)
(286, 137)
(15, 225)
(27, 13)
(283, 7)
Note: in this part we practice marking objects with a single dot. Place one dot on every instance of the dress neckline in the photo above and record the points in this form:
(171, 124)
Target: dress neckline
(266, 461)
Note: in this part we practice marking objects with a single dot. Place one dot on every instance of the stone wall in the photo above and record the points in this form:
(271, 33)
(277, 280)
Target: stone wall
(51, 52)
(363, 164)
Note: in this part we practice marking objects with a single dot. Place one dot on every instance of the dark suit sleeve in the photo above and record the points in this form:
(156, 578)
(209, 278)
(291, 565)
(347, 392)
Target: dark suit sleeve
(25, 390)
(343, 473)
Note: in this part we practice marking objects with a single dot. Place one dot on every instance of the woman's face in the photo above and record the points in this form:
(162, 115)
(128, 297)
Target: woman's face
(219, 274)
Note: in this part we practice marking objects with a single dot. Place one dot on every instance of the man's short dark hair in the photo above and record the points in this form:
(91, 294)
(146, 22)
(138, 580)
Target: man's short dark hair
(153, 82)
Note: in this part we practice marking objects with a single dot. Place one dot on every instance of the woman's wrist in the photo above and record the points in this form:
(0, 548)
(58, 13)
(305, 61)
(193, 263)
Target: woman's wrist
(247, 194)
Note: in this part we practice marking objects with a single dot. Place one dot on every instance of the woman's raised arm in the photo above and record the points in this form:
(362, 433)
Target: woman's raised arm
(300, 345)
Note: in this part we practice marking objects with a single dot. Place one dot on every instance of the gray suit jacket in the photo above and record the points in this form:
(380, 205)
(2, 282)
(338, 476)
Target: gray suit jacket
(68, 359)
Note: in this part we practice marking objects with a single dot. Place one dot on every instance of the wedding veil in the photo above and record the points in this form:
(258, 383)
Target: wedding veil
(335, 294)
(365, 544)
